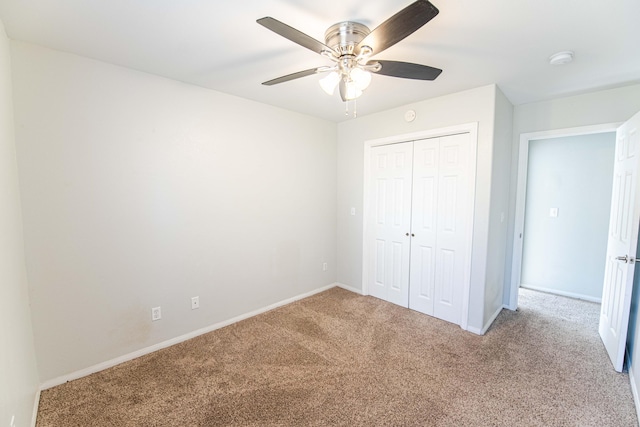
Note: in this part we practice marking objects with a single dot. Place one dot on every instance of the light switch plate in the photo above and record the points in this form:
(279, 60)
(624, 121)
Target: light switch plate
(553, 212)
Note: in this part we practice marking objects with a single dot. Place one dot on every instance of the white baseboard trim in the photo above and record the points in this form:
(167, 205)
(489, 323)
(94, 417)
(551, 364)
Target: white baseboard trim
(487, 325)
(634, 391)
(36, 405)
(562, 293)
(164, 344)
(473, 330)
(350, 288)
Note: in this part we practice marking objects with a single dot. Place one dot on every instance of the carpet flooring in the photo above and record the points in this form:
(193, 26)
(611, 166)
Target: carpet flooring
(341, 359)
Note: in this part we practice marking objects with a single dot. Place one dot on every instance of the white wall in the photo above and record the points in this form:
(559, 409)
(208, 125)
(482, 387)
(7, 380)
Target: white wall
(575, 175)
(18, 372)
(139, 191)
(477, 105)
(498, 221)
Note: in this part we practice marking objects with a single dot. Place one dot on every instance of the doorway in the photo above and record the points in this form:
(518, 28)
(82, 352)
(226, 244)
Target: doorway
(567, 210)
(551, 215)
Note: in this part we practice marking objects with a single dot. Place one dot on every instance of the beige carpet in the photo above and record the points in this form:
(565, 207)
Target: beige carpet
(338, 358)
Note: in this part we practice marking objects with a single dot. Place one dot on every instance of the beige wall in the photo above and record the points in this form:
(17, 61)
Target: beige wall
(18, 373)
(139, 191)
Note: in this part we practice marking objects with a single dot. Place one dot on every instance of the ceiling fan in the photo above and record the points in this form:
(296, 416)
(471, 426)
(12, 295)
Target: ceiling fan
(350, 46)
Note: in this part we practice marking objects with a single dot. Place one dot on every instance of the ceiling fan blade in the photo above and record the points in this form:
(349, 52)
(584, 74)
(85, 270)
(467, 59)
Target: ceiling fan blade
(399, 26)
(408, 70)
(294, 35)
(295, 76)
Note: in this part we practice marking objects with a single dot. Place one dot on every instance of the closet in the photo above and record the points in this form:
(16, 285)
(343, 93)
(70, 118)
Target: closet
(419, 223)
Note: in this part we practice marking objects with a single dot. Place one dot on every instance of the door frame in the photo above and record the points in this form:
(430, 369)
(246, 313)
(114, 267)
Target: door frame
(472, 130)
(521, 193)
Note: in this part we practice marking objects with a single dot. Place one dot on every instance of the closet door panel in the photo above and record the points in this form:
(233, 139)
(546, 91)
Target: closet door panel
(389, 221)
(424, 225)
(452, 228)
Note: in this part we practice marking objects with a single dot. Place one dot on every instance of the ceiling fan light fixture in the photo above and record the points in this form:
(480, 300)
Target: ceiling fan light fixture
(349, 45)
(348, 89)
(352, 91)
(329, 83)
(360, 78)
(353, 82)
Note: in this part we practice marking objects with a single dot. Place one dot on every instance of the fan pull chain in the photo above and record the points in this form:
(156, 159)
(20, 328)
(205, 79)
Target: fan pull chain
(355, 108)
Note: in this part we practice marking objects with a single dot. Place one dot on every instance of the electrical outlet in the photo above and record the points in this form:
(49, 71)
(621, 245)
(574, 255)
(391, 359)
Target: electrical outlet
(324, 266)
(195, 303)
(156, 314)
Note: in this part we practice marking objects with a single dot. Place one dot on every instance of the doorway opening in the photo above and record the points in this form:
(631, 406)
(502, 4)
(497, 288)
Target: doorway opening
(547, 215)
(567, 208)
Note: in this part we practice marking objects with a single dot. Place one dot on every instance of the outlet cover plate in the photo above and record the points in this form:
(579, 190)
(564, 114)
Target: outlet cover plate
(195, 303)
(156, 313)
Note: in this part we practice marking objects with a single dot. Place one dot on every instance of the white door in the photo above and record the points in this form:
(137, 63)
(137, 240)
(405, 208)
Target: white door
(622, 243)
(390, 217)
(440, 226)
(423, 225)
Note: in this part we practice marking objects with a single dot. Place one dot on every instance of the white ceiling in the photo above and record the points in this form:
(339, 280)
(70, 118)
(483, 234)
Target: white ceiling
(218, 44)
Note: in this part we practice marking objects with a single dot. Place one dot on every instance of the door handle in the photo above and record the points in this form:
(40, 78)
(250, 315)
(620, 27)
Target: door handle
(626, 259)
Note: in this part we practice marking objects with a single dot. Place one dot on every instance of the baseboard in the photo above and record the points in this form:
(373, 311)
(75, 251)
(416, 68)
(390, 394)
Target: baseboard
(487, 325)
(168, 343)
(493, 318)
(634, 391)
(350, 288)
(562, 293)
(36, 404)
(473, 330)
(510, 307)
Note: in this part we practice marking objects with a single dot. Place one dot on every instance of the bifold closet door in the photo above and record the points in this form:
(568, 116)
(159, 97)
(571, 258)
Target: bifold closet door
(440, 231)
(390, 221)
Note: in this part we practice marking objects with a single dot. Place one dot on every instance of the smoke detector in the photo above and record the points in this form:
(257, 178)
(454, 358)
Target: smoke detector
(561, 58)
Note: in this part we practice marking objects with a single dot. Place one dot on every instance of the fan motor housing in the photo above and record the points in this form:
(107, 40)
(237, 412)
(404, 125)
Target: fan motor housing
(343, 37)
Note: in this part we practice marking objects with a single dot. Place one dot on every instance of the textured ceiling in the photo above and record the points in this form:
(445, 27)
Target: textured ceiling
(218, 44)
